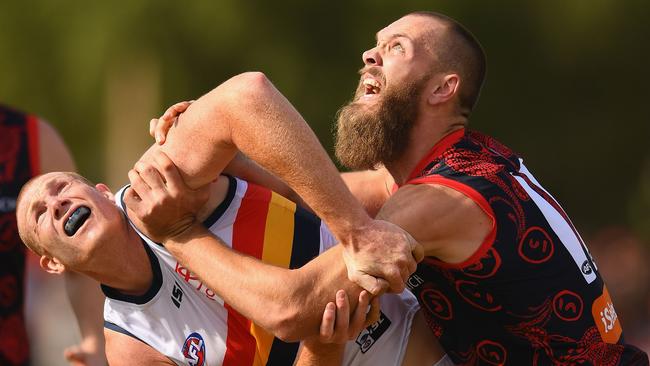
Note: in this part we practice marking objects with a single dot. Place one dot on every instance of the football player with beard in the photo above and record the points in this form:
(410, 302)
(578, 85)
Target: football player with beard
(506, 277)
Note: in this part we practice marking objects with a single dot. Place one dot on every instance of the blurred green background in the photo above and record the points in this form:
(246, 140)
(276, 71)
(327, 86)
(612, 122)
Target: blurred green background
(567, 80)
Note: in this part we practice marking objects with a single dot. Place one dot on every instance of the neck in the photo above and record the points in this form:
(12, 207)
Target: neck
(426, 132)
(127, 267)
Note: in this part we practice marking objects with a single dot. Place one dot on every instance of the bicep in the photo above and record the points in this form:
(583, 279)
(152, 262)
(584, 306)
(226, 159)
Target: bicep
(123, 350)
(448, 223)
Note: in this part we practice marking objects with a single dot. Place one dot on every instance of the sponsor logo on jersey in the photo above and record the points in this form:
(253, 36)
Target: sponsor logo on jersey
(606, 319)
(194, 350)
(370, 335)
(177, 295)
(586, 267)
(194, 281)
(414, 281)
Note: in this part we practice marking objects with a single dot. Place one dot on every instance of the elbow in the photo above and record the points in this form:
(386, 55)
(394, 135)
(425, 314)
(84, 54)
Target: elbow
(249, 86)
(289, 318)
(287, 328)
(286, 323)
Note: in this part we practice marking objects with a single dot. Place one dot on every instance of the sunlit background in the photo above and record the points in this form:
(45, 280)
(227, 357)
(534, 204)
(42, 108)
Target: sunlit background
(567, 87)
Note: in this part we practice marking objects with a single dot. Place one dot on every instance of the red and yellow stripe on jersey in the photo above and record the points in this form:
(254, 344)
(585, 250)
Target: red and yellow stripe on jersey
(271, 228)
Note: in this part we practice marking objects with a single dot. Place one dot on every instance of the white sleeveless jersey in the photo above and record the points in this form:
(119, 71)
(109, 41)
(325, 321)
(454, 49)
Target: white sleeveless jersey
(191, 325)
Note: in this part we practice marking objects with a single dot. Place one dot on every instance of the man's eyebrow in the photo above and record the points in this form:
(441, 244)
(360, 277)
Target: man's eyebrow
(392, 36)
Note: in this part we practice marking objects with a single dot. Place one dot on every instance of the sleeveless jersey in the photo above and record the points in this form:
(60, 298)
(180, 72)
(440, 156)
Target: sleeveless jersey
(19, 161)
(191, 325)
(531, 294)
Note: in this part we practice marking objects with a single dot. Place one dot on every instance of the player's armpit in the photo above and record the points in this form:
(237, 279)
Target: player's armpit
(448, 223)
(371, 188)
(123, 350)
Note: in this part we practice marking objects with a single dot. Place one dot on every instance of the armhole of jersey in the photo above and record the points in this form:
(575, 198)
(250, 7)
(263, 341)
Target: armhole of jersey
(116, 328)
(33, 143)
(480, 201)
(156, 283)
(223, 206)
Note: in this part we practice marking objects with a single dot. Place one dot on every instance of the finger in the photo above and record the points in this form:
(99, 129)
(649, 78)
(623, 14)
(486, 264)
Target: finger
(169, 172)
(131, 198)
(342, 314)
(376, 286)
(418, 252)
(327, 323)
(412, 266)
(373, 314)
(138, 185)
(150, 175)
(405, 272)
(162, 128)
(359, 316)
(152, 127)
(394, 277)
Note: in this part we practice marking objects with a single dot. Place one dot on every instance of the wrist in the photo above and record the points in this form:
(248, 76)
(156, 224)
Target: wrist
(188, 233)
(348, 230)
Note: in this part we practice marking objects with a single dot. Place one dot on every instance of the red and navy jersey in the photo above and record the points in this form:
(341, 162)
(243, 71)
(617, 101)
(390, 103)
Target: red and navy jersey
(531, 294)
(18, 163)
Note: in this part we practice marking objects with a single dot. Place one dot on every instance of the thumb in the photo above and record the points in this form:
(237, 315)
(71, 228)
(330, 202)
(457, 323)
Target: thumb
(376, 286)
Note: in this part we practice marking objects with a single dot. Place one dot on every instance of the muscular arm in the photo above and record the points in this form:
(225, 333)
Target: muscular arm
(448, 224)
(122, 350)
(288, 303)
(83, 293)
(246, 113)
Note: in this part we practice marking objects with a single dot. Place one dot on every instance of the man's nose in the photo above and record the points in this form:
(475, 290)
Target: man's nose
(59, 207)
(372, 57)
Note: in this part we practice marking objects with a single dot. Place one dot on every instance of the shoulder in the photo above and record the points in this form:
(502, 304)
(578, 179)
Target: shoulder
(443, 219)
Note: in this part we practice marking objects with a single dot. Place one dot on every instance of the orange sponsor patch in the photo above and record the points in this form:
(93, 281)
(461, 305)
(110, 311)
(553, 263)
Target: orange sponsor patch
(606, 318)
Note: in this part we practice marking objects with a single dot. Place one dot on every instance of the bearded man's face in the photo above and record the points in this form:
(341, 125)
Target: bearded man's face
(373, 134)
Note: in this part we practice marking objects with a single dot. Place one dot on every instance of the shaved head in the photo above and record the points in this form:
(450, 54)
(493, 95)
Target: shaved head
(27, 190)
(457, 50)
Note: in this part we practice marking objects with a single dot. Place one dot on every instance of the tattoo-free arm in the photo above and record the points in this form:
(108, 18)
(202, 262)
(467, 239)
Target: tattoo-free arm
(247, 113)
(287, 303)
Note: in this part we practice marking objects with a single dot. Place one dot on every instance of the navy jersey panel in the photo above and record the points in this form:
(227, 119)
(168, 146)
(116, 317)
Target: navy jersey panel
(531, 295)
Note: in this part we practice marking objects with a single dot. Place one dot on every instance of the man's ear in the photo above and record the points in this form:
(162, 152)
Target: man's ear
(103, 189)
(445, 90)
(51, 265)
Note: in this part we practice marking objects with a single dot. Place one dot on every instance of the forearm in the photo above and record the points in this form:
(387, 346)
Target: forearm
(87, 302)
(314, 353)
(247, 113)
(288, 303)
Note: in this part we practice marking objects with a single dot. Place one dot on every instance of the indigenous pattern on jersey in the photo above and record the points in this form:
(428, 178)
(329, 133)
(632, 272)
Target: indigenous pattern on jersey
(186, 321)
(531, 294)
(18, 163)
